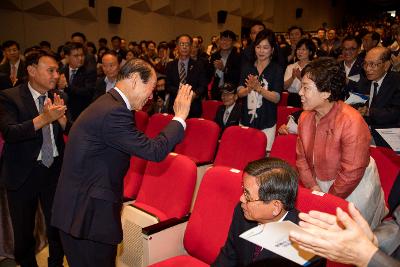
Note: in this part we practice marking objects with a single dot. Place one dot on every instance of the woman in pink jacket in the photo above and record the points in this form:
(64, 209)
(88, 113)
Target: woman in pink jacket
(333, 144)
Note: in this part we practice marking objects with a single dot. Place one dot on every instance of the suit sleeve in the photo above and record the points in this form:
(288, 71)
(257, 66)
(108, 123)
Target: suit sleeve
(228, 256)
(120, 132)
(12, 129)
(381, 259)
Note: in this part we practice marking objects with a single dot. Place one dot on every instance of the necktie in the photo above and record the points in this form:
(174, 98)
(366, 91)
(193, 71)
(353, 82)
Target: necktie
(257, 251)
(47, 146)
(72, 76)
(13, 74)
(182, 73)
(226, 116)
(376, 85)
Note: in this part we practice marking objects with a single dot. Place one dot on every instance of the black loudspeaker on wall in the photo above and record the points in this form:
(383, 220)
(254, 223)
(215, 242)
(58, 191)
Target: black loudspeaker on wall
(221, 16)
(299, 12)
(114, 14)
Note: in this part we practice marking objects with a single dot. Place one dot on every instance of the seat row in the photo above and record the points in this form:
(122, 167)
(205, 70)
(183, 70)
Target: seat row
(158, 229)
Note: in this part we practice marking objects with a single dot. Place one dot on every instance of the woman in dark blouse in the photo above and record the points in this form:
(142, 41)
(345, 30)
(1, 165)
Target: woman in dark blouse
(260, 85)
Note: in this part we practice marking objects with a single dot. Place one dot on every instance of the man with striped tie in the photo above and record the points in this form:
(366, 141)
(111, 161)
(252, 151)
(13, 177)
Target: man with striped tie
(185, 70)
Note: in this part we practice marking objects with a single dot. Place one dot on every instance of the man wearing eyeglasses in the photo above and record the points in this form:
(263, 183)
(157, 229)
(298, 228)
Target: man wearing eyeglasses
(269, 195)
(383, 108)
(352, 65)
(184, 70)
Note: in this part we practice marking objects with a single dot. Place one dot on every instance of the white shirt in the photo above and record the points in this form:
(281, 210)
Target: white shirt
(128, 106)
(16, 67)
(296, 84)
(347, 69)
(35, 96)
(228, 110)
(109, 84)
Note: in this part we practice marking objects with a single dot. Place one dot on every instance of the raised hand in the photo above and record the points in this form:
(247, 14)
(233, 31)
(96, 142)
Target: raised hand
(183, 101)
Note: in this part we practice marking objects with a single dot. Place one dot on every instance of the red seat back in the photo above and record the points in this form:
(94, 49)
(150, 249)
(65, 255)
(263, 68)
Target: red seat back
(284, 147)
(157, 122)
(283, 100)
(209, 222)
(210, 108)
(134, 176)
(141, 120)
(388, 164)
(168, 185)
(308, 200)
(200, 141)
(240, 145)
(283, 113)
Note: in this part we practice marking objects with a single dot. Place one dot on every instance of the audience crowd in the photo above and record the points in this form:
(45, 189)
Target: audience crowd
(345, 79)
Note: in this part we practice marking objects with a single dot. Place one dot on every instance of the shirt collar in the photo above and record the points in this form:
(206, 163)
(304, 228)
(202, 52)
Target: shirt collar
(229, 109)
(128, 106)
(35, 94)
(380, 80)
(16, 64)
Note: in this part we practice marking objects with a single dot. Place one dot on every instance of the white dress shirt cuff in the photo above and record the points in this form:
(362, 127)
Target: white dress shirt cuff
(181, 122)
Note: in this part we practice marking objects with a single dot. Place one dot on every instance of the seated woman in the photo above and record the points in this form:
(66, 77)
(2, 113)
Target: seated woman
(333, 143)
(260, 85)
(269, 195)
(305, 51)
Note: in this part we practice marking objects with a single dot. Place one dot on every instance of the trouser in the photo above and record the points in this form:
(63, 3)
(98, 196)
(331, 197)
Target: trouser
(39, 187)
(87, 253)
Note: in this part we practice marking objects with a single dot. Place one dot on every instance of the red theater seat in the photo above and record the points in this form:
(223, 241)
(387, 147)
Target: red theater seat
(210, 108)
(240, 145)
(200, 141)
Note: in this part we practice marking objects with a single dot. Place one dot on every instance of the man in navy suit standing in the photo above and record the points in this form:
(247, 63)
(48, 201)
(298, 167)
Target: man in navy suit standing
(88, 198)
(185, 70)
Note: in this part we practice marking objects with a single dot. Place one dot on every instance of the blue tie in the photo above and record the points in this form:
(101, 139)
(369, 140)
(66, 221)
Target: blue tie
(47, 146)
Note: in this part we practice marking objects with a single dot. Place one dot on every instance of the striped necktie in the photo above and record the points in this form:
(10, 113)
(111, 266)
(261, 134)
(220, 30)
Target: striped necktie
(182, 73)
(47, 146)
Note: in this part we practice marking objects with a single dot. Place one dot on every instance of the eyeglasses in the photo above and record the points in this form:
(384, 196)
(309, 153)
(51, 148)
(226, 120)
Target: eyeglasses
(371, 65)
(184, 44)
(248, 198)
(350, 49)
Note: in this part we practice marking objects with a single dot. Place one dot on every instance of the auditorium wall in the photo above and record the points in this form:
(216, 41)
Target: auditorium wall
(31, 21)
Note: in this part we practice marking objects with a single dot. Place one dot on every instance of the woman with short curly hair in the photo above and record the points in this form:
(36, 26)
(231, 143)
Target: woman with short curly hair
(333, 143)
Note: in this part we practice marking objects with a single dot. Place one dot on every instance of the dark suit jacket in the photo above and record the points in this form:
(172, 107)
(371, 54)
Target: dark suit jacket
(381, 259)
(100, 88)
(80, 92)
(353, 86)
(234, 116)
(22, 143)
(196, 77)
(385, 107)
(5, 71)
(239, 252)
(88, 199)
(231, 72)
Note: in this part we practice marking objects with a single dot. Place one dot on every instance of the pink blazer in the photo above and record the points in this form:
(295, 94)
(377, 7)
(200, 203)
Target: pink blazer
(336, 149)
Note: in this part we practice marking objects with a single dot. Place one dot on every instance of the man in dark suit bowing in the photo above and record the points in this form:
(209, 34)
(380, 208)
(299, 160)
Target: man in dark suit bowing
(32, 122)
(88, 199)
(185, 70)
(228, 114)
